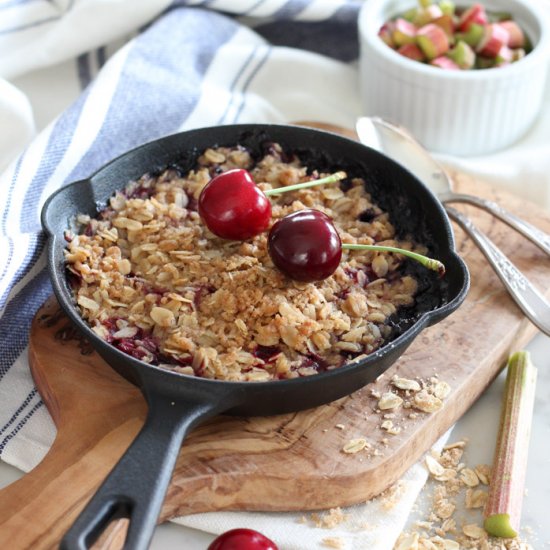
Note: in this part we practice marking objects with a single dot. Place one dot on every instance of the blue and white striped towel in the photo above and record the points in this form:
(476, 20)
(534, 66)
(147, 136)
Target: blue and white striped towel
(189, 64)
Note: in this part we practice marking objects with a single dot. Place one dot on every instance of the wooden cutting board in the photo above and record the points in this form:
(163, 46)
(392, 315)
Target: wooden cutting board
(289, 462)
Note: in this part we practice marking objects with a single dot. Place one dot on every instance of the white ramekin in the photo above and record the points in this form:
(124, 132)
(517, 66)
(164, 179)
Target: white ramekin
(455, 112)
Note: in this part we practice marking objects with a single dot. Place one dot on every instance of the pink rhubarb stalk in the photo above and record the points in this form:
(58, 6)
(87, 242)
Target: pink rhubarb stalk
(503, 509)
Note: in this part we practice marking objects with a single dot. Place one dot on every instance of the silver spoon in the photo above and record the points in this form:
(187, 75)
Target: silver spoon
(398, 144)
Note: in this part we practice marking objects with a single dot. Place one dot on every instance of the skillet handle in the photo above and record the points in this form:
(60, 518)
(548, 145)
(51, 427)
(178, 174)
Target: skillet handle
(136, 486)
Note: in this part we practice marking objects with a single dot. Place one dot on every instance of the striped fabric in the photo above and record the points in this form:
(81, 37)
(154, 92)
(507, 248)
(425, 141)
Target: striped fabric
(188, 67)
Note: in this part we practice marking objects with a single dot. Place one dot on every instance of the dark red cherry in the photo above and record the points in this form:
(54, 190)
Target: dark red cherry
(305, 245)
(233, 207)
(242, 539)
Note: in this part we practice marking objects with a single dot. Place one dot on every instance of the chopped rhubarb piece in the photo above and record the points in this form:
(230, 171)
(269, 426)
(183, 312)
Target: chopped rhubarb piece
(494, 38)
(410, 14)
(505, 56)
(404, 32)
(472, 36)
(517, 54)
(463, 55)
(447, 7)
(432, 40)
(386, 33)
(412, 51)
(484, 62)
(446, 23)
(445, 63)
(267, 354)
(427, 15)
(474, 14)
(506, 493)
(516, 38)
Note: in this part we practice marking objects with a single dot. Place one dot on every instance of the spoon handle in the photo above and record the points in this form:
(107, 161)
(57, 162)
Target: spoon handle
(528, 298)
(538, 237)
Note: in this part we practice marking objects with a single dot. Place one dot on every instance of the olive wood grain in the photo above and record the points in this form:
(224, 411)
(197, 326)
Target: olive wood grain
(289, 462)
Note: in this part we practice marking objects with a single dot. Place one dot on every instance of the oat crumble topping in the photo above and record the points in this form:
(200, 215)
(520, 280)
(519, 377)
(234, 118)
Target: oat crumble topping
(152, 280)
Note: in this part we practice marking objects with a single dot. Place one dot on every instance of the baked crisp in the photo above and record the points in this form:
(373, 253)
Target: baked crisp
(151, 279)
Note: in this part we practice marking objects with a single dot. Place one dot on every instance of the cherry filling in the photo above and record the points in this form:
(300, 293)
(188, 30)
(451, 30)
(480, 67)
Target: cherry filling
(314, 361)
(193, 204)
(267, 354)
(368, 215)
(201, 292)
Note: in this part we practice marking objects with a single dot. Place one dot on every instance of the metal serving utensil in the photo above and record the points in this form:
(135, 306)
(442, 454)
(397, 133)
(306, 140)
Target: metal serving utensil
(399, 144)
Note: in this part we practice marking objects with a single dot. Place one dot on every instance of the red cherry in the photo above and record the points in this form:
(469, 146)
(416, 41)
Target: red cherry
(305, 245)
(233, 206)
(242, 539)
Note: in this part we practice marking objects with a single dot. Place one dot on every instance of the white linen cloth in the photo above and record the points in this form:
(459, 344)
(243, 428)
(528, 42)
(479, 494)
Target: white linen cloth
(76, 90)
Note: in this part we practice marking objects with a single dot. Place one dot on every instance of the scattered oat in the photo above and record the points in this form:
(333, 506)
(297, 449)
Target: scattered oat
(475, 498)
(434, 467)
(448, 544)
(444, 508)
(451, 480)
(330, 519)
(448, 525)
(483, 472)
(455, 445)
(389, 400)
(333, 542)
(340, 426)
(389, 427)
(354, 445)
(390, 497)
(469, 477)
(405, 384)
(441, 390)
(426, 402)
(407, 541)
(448, 475)
(474, 531)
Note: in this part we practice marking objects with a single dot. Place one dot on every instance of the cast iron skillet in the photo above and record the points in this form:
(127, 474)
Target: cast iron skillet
(136, 486)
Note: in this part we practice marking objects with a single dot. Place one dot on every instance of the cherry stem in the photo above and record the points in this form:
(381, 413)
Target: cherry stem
(430, 263)
(337, 176)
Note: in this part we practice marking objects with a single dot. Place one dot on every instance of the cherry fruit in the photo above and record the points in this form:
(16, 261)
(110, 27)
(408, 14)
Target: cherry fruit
(306, 247)
(242, 539)
(233, 207)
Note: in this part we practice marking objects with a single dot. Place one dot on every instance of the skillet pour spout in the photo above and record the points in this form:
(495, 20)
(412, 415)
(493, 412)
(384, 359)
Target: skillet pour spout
(136, 487)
